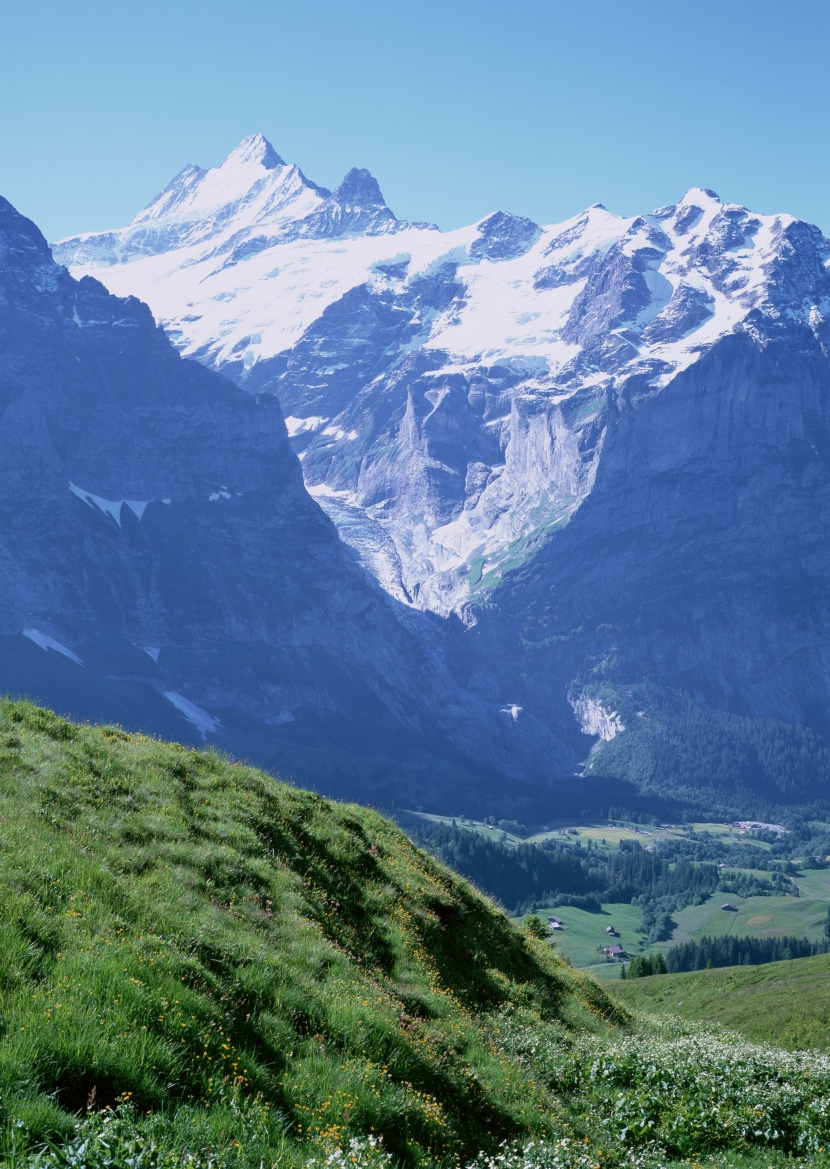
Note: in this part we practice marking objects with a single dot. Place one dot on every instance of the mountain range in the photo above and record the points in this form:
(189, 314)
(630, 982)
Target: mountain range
(577, 476)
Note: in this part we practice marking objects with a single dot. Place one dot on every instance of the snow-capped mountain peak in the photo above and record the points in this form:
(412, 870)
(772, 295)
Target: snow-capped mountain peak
(253, 182)
(254, 150)
(699, 195)
(449, 393)
(251, 202)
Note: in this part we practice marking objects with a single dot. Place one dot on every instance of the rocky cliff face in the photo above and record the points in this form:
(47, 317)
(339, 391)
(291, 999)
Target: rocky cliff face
(160, 560)
(699, 562)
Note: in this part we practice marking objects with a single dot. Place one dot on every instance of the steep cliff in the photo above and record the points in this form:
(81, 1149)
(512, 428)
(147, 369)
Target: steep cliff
(162, 564)
(699, 564)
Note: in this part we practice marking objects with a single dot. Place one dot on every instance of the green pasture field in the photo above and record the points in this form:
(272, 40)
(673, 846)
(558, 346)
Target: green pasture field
(762, 917)
(609, 835)
(815, 883)
(786, 1003)
(759, 917)
(583, 932)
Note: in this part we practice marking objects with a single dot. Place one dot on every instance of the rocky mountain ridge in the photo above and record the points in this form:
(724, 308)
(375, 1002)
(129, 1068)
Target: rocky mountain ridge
(449, 393)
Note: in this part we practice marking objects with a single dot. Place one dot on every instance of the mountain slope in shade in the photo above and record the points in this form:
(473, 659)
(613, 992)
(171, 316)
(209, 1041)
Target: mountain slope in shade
(693, 580)
(161, 562)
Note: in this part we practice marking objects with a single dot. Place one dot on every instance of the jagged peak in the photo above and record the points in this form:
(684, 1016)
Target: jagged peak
(190, 170)
(360, 187)
(254, 149)
(700, 196)
(196, 192)
(21, 237)
(498, 218)
(504, 236)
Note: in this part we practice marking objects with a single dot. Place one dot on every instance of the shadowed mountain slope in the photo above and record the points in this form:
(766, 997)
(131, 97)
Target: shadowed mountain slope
(162, 564)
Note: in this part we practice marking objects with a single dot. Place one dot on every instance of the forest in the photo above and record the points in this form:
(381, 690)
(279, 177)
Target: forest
(529, 876)
(729, 950)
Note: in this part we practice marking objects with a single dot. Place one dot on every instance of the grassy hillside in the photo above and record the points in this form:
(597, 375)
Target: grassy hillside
(786, 1003)
(202, 967)
(188, 936)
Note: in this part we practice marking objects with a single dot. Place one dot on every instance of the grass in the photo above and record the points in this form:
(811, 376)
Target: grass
(247, 965)
(583, 932)
(202, 967)
(786, 1003)
(674, 1093)
(762, 917)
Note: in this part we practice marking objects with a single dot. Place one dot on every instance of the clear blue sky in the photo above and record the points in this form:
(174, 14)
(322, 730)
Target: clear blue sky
(459, 107)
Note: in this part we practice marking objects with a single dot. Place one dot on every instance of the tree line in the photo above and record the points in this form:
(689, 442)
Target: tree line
(730, 950)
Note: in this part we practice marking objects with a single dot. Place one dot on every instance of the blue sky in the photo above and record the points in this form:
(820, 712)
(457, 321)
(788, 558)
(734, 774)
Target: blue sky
(459, 107)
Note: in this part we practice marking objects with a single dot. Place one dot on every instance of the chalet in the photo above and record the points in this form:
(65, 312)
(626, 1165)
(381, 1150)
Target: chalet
(613, 951)
(554, 920)
(728, 905)
(609, 929)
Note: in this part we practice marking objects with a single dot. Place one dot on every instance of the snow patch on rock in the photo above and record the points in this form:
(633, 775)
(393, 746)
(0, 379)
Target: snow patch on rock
(46, 642)
(206, 724)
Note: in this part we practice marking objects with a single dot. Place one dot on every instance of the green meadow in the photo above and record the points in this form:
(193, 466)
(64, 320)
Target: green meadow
(786, 1003)
(583, 935)
(803, 916)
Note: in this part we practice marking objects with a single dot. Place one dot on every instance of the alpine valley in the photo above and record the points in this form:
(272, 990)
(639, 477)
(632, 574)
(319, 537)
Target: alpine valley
(434, 517)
